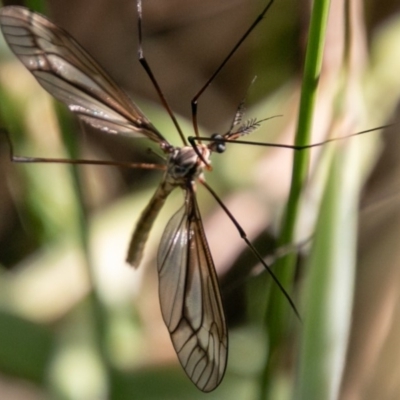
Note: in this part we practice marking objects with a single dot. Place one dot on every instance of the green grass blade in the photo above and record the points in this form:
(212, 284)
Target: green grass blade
(277, 310)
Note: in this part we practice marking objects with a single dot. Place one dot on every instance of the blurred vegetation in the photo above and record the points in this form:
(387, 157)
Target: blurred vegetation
(77, 323)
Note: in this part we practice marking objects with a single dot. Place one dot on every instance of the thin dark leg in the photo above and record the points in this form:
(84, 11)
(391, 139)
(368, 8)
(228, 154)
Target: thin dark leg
(122, 164)
(289, 146)
(150, 74)
(227, 58)
(243, 235)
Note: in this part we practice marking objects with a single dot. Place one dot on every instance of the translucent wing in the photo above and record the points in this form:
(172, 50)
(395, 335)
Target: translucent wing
(190, 299)
(71, 75)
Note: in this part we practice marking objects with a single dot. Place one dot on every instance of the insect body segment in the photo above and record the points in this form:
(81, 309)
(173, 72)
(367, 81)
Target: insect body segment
(183, 168)
(145, 223)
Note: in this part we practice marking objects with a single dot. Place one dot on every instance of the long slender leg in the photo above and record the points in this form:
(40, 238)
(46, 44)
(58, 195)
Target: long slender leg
(192, 140)
(243, 235)
(150, 74)
(123, 164)
(226, 59)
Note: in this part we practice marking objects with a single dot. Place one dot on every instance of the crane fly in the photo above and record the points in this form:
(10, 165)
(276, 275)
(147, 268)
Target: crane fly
(189, 294)
(188, 288)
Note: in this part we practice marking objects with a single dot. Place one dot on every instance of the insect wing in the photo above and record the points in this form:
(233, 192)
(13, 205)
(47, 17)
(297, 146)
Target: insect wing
(71, 75)
(190, 298)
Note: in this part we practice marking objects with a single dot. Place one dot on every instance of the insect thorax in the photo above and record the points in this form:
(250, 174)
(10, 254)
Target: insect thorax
(184, 164)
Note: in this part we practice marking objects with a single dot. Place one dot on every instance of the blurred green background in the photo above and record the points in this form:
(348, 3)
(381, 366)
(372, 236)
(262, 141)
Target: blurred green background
(77, 323)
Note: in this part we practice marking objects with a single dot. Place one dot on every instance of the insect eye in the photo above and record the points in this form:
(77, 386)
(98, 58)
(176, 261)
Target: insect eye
(218, 143)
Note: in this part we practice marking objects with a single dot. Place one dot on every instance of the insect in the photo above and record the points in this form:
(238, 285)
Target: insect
(188, 288)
